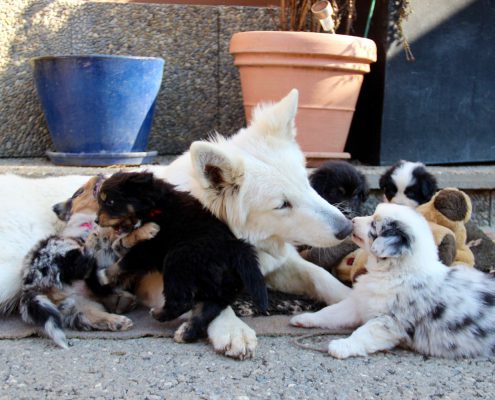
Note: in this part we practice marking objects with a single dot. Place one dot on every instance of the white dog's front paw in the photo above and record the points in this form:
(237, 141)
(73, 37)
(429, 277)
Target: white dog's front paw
(344, 348)
(306, 320)
(232, 338)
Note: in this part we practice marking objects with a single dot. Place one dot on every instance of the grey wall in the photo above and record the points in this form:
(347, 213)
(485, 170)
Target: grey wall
(200, 91)
(441, 108)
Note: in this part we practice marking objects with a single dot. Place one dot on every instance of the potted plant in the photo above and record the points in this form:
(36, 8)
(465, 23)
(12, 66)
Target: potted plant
(99, 108)
(326, 68)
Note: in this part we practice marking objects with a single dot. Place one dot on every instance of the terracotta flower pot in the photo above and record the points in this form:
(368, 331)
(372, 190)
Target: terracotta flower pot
(327, 70)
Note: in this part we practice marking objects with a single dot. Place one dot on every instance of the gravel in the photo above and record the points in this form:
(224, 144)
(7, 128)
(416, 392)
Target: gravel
(151, 368)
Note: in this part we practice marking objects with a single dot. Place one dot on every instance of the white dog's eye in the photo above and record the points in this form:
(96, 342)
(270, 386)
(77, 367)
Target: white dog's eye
(285, 204)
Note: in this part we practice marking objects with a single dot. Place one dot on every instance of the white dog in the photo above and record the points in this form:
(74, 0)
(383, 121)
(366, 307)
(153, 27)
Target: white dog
(256, 182)
(408, 296)
(26, 218)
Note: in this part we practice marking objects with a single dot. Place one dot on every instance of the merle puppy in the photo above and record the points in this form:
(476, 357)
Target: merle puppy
(342, 185)
(204, 265)
(408, 183)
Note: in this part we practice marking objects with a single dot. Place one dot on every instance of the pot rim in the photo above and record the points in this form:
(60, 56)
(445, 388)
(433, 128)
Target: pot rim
(94, 56)
(313, 43)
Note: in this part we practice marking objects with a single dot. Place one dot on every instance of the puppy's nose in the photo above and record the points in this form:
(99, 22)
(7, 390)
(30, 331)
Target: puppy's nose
(97, 221)
(344, 231)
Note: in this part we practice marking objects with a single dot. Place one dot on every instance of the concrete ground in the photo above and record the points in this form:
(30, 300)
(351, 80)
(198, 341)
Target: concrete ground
(152, 368)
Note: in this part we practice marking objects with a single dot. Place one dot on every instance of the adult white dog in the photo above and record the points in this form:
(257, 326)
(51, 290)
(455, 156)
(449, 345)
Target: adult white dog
(256, 182)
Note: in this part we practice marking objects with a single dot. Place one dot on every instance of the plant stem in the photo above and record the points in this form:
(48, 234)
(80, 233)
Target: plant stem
(370, 16)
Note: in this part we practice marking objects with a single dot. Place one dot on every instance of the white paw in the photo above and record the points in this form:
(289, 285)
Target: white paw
(101, 274)
(150, 230)
(305, 320)
(233, 338)
(180, 332)
(344, 348)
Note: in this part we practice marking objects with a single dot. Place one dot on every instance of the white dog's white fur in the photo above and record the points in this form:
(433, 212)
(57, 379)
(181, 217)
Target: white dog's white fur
(408, 296)
(256, 182)
(26, 218)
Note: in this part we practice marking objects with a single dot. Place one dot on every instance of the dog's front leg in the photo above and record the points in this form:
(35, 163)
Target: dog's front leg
(381, 333)
(232, 337)
(299, 276)
(341, 315)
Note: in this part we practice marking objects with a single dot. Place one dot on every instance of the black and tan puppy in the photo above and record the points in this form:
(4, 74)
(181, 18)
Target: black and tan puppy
(204, 265)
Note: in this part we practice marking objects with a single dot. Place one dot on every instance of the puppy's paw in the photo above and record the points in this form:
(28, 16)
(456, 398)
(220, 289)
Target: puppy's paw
(149, 231)
(114, 323)
(305, 320)
(187, 333)
(344, 348)
(161, 314)
(232, 338)
(120, 302)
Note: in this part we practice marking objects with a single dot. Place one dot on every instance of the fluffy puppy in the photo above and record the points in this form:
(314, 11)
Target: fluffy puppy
(53, 294)
(342, 185)
(408, 183)
(204, 265)
(408, 296)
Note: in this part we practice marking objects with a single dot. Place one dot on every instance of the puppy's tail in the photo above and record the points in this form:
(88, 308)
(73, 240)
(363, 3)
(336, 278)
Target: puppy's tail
(247, 266)
(37, 309)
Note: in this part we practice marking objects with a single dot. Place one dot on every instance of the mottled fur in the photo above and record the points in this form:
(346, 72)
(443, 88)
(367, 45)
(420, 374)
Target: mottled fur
(204, 265)
(53, 294)
(408, 296)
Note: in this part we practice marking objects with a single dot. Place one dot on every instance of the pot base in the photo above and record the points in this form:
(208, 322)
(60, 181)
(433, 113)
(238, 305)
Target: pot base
(102, 159)
(315, 159)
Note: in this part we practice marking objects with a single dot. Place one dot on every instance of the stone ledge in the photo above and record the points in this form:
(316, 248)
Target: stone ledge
(480, 177)
(477, 181)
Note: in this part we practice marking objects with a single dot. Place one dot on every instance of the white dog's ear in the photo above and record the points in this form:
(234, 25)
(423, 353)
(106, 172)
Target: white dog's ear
(215, 168)
(393, 241)
(277, 119)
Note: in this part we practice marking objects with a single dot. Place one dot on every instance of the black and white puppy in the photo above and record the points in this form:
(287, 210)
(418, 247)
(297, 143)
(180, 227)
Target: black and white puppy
(408, 183)
(204, 265)
(408, 296)
(342, 185)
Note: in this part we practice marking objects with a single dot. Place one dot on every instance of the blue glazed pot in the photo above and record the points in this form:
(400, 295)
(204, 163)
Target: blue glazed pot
(99, 108)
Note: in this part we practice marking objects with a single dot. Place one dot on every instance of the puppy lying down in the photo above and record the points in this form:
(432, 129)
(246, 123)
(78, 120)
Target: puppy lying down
(408, 296)
(204, 265)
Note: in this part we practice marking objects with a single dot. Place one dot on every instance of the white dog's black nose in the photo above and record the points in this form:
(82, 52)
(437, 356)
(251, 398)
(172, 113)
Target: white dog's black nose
(345, 230)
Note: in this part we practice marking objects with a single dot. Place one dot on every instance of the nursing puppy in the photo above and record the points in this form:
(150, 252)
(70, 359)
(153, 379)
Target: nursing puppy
(408, 296)
(408, 183)
(53, 294)
(204, 265)
(342, 185)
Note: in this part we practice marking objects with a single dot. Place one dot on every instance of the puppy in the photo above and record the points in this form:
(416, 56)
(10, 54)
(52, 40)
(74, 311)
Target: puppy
(408, 183)
(342, 185)
(204, 265)
(408, 296)
(53, 293)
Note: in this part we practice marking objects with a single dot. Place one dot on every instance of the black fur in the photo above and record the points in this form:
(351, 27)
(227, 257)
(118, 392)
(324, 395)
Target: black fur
(201, 260)
(421, 189)
(342, 185)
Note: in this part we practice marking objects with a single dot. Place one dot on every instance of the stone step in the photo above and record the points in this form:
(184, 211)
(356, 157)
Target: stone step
(477, 181)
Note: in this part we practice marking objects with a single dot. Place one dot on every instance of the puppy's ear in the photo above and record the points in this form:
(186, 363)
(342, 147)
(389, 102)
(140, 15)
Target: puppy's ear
(215, 168)
(393, 241)
(277, 120)
(427, 183)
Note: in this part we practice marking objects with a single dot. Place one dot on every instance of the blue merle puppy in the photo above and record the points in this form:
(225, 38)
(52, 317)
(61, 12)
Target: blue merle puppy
(408, 296)
(60, 288)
